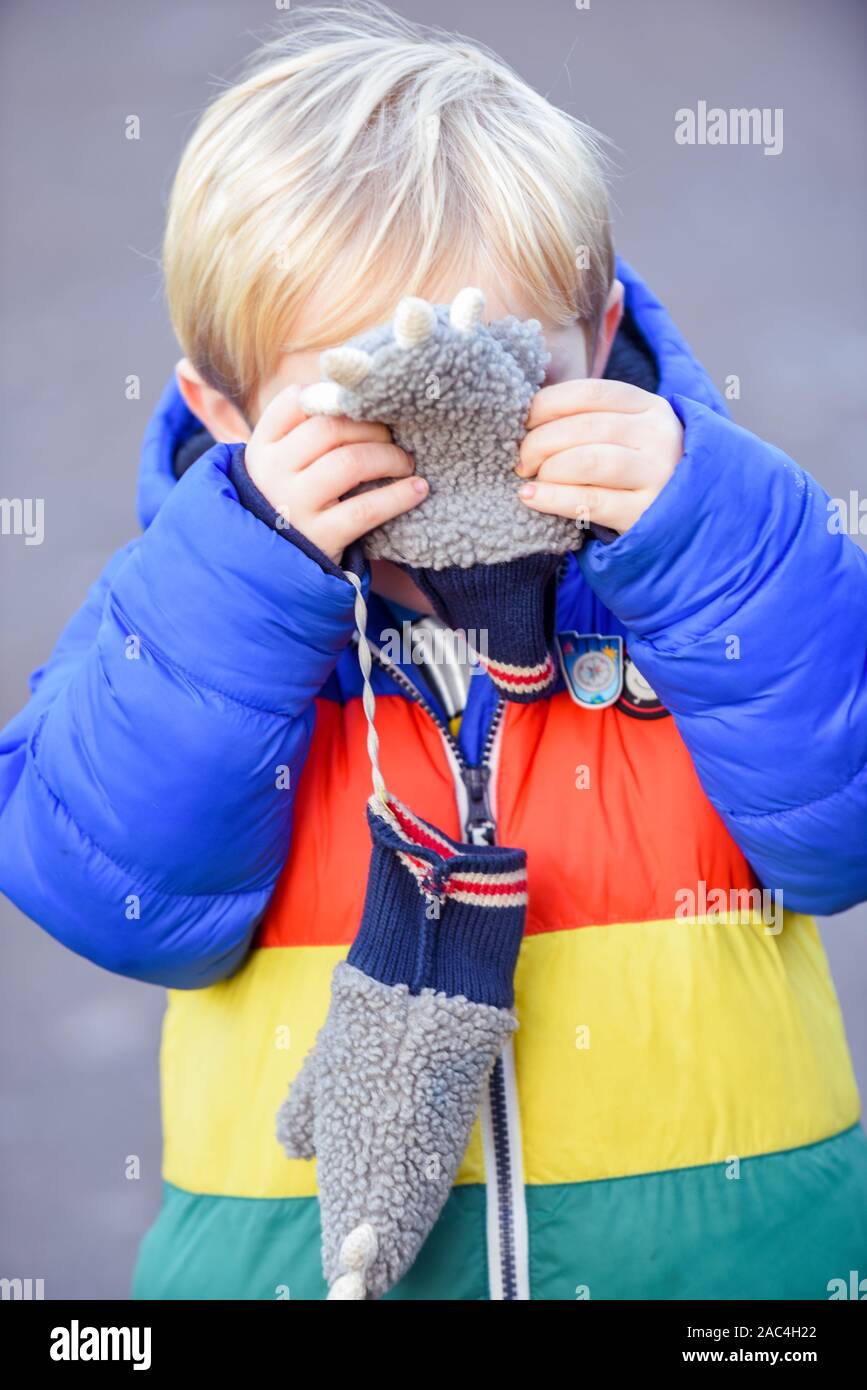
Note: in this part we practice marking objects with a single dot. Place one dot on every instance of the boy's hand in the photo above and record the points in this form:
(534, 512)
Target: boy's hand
(598, 451)
(305, 464)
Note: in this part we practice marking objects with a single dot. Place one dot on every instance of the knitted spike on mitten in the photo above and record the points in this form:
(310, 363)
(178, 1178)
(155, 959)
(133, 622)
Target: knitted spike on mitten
(419, 1013)
(455, 393)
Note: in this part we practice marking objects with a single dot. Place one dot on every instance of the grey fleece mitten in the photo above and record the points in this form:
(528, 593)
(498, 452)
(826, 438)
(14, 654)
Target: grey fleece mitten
(455, 393)
(419, 1013)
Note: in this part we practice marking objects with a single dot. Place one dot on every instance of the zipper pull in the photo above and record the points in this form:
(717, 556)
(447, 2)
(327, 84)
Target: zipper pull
(479, 828)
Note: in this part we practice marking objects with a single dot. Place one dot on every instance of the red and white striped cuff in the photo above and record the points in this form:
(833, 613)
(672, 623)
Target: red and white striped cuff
(475, 885)
(520, 681)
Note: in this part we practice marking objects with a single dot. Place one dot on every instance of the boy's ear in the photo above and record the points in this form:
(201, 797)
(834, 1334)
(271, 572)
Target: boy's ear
(217, 413)
(611, 317)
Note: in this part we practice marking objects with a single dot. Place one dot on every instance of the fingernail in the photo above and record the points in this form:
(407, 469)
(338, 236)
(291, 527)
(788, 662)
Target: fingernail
(527, 490)
(419, 485)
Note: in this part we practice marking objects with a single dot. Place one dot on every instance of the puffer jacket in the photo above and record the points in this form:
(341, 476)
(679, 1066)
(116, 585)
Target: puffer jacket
(182, 801)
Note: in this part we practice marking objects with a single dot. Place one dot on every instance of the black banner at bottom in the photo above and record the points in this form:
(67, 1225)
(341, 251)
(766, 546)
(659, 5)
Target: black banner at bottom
(66, 1338)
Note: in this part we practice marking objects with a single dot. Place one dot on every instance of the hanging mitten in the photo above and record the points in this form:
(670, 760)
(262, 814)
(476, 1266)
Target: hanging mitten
(419, 1012)
(455, 393)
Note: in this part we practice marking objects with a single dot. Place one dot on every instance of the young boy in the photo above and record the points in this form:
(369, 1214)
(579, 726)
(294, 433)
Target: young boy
(183, 797)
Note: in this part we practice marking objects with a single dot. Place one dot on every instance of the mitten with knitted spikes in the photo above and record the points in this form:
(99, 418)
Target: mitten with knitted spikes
(455, 393)
(419, 1013)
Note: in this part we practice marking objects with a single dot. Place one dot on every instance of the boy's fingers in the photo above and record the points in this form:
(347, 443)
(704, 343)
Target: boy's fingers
(588, 393)
(318, 435)
(280, 416)
(312, 435)
(354, 517)
(343, 469)
(606, 506)
(570, 431)
(597, 465)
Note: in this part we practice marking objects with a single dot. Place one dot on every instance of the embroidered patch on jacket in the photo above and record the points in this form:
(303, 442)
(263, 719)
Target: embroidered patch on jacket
(592, 666)
(638, 696)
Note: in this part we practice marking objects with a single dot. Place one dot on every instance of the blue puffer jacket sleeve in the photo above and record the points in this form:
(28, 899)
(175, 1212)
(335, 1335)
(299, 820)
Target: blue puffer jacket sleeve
(146, 790)
(749, 618)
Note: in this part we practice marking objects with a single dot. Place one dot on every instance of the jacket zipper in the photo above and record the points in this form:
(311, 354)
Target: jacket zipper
(479, 826)
(507, 1218)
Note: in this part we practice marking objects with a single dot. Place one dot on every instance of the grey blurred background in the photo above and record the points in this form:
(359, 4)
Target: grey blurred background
(759, 258)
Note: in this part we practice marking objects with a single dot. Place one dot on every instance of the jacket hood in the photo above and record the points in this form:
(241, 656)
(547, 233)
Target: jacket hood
(649, 351)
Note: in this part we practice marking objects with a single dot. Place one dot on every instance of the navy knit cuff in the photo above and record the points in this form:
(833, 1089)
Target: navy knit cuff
(440, 915)
(255, 502)
(509, 607)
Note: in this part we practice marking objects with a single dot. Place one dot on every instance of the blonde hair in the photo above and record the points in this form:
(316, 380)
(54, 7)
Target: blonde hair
(362, 157)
